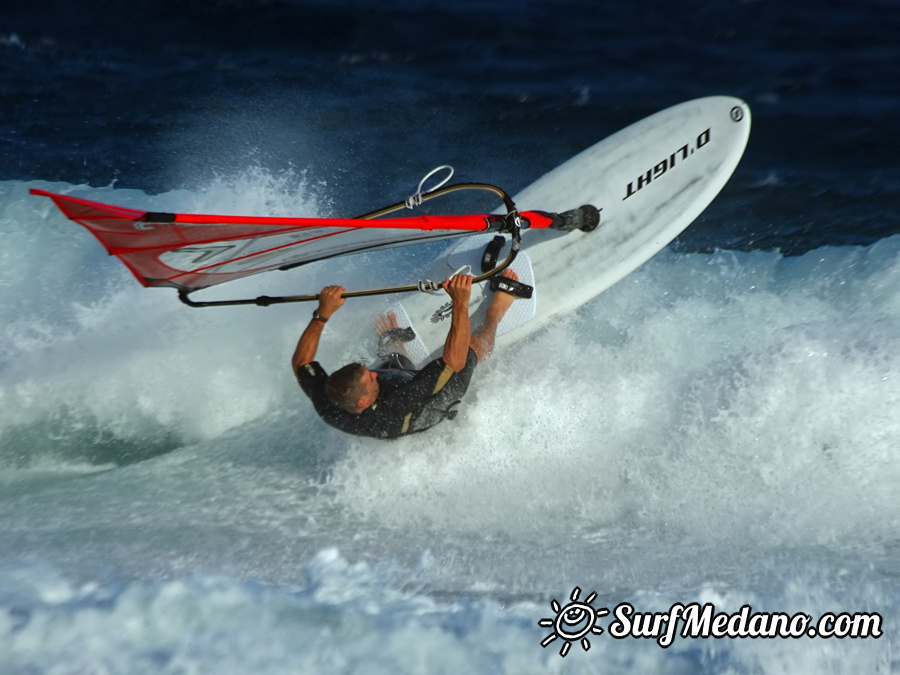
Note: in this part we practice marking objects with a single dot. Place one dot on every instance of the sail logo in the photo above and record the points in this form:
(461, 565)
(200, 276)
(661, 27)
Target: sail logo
(660, 168)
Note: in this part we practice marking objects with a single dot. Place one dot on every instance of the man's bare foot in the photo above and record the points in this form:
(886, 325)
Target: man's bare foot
(483, 341)
(501, 301)
(383, 324)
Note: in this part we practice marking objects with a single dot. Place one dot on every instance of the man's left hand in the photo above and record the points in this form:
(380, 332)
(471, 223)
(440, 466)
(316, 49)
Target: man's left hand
(459, 288)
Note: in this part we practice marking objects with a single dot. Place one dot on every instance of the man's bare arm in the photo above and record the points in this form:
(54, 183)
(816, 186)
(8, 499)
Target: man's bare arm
(330, 300)
(456, 347)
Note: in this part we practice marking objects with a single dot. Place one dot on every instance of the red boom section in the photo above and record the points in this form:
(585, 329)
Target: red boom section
(190, 252)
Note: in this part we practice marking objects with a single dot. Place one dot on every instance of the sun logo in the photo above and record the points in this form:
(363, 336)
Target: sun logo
(573, 622)
(442, 312)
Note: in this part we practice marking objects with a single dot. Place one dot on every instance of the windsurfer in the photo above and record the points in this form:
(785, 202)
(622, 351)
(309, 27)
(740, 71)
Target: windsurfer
(393, 402)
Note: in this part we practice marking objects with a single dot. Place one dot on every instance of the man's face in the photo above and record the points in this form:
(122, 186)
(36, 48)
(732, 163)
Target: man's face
(369, 381)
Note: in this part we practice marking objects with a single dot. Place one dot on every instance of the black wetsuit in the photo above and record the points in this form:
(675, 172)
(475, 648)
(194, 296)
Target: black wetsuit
(408, 401)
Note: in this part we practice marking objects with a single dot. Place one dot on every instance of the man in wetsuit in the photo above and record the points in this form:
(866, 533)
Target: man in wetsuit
(393, 403)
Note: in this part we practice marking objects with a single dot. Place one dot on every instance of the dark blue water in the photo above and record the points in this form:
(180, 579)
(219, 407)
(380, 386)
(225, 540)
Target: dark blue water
(720, 427)
(368, 95)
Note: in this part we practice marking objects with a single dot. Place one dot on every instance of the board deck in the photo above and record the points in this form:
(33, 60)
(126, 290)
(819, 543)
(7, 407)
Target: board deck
(431, 320)
(650, 181)
(415, 349)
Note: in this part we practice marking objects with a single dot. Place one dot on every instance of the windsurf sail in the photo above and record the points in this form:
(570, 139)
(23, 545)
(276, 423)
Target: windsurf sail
(190, 252)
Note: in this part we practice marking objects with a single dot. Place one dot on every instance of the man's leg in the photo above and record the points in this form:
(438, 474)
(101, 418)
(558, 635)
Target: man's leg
(393, 354)
(482, 341)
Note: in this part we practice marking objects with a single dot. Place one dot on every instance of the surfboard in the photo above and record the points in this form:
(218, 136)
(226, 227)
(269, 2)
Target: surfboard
(650, 181)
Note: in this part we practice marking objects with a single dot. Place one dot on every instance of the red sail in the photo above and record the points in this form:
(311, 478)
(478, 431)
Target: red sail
(191, 252)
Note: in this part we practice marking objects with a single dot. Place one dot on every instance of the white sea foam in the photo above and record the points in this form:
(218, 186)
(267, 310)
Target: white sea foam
(356, 618)
(731, 396)
(81, 335)
(724, 419)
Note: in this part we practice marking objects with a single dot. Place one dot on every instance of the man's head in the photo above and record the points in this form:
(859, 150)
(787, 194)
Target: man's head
(352, 388)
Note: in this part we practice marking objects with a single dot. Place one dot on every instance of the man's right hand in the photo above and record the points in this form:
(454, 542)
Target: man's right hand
(459, 288)
(331, 300)
(456, 347)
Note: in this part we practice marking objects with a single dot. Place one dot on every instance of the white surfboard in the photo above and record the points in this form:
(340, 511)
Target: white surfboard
(650, 181)
(415, 349)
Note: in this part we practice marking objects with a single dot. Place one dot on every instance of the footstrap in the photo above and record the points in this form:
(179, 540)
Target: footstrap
(395, 335)
(511, 286)
(492, 254)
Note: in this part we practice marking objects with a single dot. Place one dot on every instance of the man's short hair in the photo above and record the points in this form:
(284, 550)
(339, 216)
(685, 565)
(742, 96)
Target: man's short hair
(343, 387)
